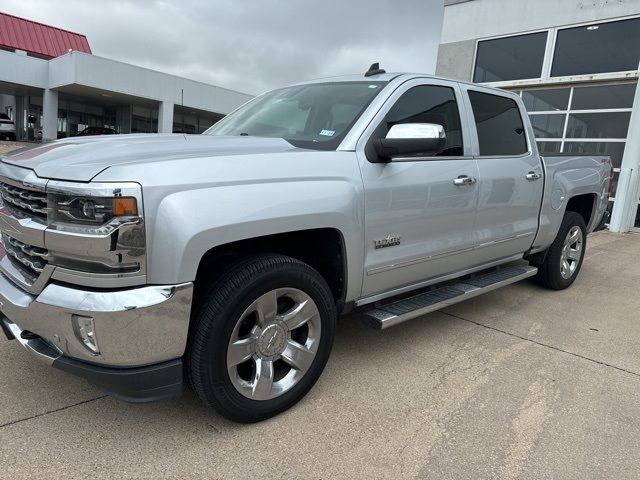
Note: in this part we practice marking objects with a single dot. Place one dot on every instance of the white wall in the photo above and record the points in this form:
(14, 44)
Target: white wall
(106, 74)
(78, 68)
(23, 70)
(487, 18)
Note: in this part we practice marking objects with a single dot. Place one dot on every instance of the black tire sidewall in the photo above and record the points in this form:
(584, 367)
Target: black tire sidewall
(551, 267)
(216, 386)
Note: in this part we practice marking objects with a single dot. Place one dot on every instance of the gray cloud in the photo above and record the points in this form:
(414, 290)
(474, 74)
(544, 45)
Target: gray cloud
(251, 45)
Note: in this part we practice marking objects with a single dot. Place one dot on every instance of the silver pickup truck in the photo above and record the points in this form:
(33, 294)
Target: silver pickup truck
(222, 261)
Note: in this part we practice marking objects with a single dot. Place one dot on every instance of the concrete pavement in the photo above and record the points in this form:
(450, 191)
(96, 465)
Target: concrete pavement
(6, 147)
(518, 383)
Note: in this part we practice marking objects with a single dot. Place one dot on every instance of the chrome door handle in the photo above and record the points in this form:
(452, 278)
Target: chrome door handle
(464, 180)
(533, 176)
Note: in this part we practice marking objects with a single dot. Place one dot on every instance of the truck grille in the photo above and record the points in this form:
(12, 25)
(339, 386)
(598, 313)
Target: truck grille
(27, 258)
(29, 202)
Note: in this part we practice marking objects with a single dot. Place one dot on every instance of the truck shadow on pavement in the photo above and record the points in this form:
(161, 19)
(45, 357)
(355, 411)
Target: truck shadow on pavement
(356, 353)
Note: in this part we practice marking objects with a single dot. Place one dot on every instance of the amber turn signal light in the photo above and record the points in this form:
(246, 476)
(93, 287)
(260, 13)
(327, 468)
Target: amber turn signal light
(125, 207)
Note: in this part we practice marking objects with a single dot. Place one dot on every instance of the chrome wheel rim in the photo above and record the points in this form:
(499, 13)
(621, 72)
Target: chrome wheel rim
(571, 252)
(273, 344)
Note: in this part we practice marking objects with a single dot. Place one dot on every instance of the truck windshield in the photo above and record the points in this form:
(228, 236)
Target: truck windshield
(316, 116)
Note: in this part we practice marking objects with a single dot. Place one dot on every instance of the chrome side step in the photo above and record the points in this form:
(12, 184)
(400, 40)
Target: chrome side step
(384, 316)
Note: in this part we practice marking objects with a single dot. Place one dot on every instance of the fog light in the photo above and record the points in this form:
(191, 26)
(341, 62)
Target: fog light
(84, 328)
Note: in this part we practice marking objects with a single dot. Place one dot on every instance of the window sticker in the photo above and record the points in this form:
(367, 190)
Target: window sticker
(373, 86)
(327, 133)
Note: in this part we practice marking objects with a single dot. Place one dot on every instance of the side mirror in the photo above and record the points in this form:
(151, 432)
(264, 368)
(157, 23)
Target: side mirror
(410, 139)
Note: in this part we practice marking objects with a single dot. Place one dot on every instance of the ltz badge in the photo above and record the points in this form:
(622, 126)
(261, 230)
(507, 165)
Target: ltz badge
(388, 241)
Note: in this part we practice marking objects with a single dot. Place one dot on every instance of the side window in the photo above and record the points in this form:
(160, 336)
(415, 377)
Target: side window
(430, 104)
(499, 125)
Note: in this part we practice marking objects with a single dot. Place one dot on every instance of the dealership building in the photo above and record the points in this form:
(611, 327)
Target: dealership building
(52, 86)
(574, 62)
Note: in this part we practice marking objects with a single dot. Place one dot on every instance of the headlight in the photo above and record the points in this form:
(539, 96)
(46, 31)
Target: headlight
(96, 227)
(90, 210)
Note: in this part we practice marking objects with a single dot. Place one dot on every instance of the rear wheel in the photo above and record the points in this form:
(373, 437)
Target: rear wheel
(261, 337)
(564, 257)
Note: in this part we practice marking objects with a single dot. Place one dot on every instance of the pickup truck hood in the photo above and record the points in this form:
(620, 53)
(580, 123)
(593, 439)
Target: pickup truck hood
(81, 159)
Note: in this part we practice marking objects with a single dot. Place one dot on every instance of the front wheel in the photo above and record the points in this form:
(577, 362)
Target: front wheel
(564, 257)
(261, 337)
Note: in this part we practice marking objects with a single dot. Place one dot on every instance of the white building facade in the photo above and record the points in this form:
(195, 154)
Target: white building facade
(58, 97)
(576, 65)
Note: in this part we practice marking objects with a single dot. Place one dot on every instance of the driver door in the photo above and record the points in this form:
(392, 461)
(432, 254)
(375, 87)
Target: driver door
(419, 221)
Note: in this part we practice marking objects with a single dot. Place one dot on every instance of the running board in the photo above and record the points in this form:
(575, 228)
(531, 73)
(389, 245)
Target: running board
(384, 316)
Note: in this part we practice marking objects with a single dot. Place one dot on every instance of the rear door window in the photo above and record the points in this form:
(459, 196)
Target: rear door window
(499, 125)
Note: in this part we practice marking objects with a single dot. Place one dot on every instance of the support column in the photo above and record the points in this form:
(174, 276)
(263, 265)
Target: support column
(628, 192)
(49, 115)
(165, 117)
(19, 117)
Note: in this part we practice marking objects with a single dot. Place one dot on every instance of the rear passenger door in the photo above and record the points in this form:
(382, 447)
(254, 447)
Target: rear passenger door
(510, 174)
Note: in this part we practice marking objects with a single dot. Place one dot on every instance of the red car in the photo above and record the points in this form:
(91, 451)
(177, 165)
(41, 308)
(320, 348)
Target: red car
(96, 131)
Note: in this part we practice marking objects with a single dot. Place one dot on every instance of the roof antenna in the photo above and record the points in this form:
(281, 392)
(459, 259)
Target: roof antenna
(374, 69)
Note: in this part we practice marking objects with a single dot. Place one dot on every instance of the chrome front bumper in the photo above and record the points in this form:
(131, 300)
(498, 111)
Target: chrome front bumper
(135, 327)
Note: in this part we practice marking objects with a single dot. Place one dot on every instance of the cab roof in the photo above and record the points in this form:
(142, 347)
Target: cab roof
(400, 77)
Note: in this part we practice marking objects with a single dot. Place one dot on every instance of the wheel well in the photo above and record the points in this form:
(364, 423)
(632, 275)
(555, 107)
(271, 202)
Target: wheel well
(322, 249)
(583, 205)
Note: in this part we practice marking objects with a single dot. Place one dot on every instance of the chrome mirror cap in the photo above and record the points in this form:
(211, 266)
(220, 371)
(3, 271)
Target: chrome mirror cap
(416, 130)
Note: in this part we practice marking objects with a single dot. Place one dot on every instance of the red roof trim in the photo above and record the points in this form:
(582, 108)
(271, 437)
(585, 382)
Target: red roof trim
(41, 24)
(39, 39)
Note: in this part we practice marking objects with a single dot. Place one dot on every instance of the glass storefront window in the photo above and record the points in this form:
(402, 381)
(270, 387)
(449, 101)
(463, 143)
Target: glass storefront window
(614, 149)
(549, 147)
(546, 100)
(144, 119)
(510, 58)
(603, 96)
(597, 48)
(186, 120)
(592, 128)
(76, 114)
(548, 125)
(62, 123)
(33, 117)
(598, 125)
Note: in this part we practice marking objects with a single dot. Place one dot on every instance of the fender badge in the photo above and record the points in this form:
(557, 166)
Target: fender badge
(388, 241)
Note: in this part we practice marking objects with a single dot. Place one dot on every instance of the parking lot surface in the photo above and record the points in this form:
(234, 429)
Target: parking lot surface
(519, 383)
(6, 147)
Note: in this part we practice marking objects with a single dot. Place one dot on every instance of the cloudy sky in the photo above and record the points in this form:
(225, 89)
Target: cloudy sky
(250, 45)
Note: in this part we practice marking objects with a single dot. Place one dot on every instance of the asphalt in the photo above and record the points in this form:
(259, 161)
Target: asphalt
(519, 383)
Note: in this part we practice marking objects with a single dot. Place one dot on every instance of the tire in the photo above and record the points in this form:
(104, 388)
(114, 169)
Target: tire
(12, 137)
(554, 273)
(233, 320)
